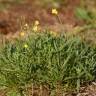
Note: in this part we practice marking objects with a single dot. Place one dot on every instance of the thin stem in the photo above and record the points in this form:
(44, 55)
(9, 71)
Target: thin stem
(61, 23)
(40, 90)
(59, 20)
(32, 89)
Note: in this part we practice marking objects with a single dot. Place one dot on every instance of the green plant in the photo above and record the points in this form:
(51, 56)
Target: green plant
(86, 11)
(47, 60)
(82, 13)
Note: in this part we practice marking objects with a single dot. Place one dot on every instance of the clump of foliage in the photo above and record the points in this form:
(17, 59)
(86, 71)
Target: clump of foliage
(86, 11)
(47, 59)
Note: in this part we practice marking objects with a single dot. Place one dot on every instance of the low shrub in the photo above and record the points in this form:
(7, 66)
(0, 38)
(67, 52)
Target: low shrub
(47, 59)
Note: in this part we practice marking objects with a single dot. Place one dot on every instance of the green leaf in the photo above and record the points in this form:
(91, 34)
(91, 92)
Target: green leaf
(81, 13)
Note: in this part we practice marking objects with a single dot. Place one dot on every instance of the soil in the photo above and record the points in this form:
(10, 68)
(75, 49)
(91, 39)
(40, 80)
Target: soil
(30, 10)
(88, 90)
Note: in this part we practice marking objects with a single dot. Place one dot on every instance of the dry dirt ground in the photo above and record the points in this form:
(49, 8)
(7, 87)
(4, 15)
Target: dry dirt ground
(88, 90)
(14, 14)
(30, 10)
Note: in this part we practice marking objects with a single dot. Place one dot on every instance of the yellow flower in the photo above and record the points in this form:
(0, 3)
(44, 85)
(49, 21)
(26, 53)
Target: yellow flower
(37, 22)
(22, 34)
(35, 28)
(25, 46)
(54, 11)
(26, 25)
(53, 33)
